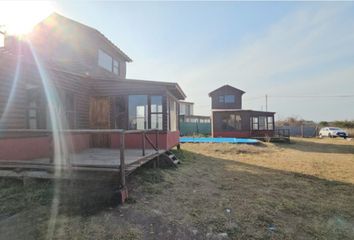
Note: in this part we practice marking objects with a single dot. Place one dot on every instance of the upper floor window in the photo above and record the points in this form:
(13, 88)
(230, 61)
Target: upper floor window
(107, 62)
(104, 60)
(229, 98)
(221, 99)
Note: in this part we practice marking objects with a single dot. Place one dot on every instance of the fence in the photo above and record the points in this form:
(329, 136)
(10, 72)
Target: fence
(301, 130)
(188, 128)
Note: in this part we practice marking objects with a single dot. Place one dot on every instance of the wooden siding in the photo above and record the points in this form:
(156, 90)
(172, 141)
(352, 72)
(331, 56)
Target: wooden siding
(245, 121)
(28, 73)
(226, 90)
(54, 41)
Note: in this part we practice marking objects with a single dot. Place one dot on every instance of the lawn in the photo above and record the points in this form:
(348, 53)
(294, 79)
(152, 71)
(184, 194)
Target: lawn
(302, 190)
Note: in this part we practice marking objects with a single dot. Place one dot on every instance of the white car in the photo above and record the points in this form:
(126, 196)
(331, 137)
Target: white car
(332, 132)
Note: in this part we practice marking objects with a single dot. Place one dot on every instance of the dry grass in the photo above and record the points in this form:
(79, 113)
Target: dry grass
(330, 159)
(303, 190)
(299, 191)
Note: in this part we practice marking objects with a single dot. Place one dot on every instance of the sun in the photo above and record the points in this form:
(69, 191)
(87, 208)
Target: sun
(19, 17)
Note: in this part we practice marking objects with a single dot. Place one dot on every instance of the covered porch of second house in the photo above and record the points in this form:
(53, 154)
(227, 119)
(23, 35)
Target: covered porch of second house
(242, 123)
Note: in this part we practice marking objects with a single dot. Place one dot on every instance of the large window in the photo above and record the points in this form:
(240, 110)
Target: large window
(262, 123)
(173, 116)
(156, 112)
(138, 112)
(231, 121)
(270, 123)
(255, 123)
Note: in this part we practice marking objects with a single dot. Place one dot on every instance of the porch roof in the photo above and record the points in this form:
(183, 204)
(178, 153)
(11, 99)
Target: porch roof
(172, 87)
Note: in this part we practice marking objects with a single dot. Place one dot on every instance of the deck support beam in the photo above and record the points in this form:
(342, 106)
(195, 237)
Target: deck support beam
(143, 142)
(122, 159)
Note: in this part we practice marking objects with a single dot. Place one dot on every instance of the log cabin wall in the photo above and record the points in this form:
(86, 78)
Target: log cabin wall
(64, 83)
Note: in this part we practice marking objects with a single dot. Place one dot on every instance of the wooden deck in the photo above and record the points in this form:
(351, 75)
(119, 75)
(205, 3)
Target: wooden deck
(99, 160)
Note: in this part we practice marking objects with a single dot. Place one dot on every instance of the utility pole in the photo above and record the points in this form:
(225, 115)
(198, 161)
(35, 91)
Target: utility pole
(266, 104)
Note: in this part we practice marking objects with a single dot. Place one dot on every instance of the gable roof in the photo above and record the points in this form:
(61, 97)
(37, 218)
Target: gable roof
(55, 17)
(226, 87)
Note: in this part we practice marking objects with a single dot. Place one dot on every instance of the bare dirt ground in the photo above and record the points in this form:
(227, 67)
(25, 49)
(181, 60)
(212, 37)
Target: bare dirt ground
(302, 190)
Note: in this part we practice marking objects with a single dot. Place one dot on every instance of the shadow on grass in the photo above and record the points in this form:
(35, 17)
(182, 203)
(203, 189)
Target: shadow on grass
(310, 146)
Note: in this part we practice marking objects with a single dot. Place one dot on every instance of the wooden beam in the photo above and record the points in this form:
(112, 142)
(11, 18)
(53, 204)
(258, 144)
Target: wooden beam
(143, 142)
(122, 159)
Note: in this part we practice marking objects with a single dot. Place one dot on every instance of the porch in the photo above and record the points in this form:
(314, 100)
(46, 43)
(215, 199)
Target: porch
(128, 151)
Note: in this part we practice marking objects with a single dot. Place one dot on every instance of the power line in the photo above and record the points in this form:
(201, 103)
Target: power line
(312, 96)
(300, 96)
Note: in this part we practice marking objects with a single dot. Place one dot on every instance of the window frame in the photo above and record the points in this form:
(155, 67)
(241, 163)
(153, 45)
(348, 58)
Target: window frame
(231, 122)
(221, 99)
(227, 97)
(115, 66)
(156, 113)
(102, 62)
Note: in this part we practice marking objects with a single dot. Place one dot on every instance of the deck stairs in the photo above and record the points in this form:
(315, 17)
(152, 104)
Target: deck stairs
(171, 157)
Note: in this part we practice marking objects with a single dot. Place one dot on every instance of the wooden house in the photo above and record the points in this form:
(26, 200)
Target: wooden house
(70, 74)
(230, 120)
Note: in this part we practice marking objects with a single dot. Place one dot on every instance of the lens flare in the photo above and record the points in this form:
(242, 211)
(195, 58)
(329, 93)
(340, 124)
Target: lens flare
(61, 141)
(13, 89)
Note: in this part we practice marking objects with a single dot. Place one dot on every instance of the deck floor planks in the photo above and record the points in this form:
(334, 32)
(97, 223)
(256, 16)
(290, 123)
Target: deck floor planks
(93, 159)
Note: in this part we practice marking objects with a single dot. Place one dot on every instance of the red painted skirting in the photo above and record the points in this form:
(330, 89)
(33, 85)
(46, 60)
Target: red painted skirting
(28, 148)
(244, 134)
(167, 140)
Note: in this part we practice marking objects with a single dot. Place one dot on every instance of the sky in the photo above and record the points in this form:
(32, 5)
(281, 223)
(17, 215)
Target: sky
(300, 54)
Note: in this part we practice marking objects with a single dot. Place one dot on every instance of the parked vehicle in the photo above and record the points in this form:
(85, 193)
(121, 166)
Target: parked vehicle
(332, 132)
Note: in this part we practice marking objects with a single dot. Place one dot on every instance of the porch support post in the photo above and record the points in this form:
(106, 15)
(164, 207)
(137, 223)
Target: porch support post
(143, 142)
(51, 148)
(157, 149)
(122, 159)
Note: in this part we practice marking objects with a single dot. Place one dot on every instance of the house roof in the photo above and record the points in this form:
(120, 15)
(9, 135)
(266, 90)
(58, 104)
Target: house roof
(94, 31)
(186, 102)
(226, 87)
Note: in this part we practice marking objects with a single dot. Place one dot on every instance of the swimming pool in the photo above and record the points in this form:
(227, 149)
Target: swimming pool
(217, 140)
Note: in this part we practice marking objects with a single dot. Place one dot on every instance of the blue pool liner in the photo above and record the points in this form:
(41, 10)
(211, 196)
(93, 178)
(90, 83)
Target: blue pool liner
(217, 140)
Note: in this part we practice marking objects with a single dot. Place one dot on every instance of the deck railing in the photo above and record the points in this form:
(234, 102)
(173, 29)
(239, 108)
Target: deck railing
(122, 147)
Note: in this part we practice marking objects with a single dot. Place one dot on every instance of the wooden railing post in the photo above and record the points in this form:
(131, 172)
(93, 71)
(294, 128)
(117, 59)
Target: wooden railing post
(122, 159)
(143, 142)
(51, 147)
(157, 148)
